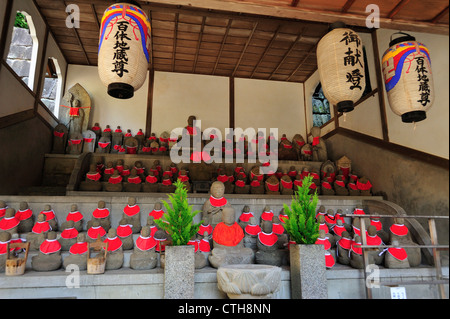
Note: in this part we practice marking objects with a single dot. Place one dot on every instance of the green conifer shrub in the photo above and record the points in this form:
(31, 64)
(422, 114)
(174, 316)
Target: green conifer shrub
(178, 219)
(302, 225)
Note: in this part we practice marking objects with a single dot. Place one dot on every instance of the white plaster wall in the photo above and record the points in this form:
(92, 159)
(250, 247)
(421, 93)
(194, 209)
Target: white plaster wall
(270, 104)
(106, 110)
(432, 134)
(176, 96)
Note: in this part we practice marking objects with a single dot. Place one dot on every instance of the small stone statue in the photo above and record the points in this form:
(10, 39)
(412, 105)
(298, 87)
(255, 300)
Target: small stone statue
(396, 257)
(77, 253)
(40, 227)
(286, 186)
(49, 256)
(251, 231)
(9, 223)
(213, 207)
(268, 252)
(375, 256)
(5, 238)
(125, 233)
(114, 258)
(114, 182)
(144, 256)
(104, 145)
(102, 215)
(75, 143)
(356, 257)
(50, 217)
(343, 246)
(244, 219)
(400, 233)
(92, 182)
(25, 217)
(272, 185)
(60, 135)
(75, 216)
(95, 231)
(228, 246)
(132, 215)
(68, 235)
(319, 148)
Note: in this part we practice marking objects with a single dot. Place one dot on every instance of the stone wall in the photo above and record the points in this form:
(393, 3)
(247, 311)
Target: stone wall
(20, 51)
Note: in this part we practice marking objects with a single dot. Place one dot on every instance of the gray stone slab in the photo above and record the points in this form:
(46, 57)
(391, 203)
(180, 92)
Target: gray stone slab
(179, 272)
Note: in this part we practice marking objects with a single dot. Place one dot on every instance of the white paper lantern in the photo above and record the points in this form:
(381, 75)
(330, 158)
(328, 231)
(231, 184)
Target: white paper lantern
(340, 61)
(123, 53)
(408, 78)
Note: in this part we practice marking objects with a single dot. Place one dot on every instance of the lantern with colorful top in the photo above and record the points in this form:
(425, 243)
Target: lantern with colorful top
(123, 51)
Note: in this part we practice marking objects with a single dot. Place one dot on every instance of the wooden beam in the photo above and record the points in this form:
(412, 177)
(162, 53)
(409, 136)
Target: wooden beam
(148, 121)
(302, 61)
(40, 70)
(231, 103)
(397, 8)
(175, 32)
(294, 3)
(347, 5)
(266, 50)
(222, 45)
(380, 86)
(4, 32)
(94, 12)
(16, 118)
(299, 36)
(255, 25)
(199, 43)
(439, 15)
(151, 40)
(288, 12)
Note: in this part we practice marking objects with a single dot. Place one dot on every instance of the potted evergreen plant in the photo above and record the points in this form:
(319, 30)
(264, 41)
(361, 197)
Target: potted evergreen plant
(178, 222)
(307, 260)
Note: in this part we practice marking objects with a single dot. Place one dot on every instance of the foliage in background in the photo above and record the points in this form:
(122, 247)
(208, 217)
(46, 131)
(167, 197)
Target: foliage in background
(21, 21)
(302, 225)
(178, 219)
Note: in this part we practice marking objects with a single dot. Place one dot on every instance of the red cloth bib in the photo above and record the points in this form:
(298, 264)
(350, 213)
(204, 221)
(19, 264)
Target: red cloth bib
(267, 215)
(146, 149)
(330, 219)
(228, 235)
(118, 131)
(131, 210)
(8, 223)
(79, 248)
(399, 230)
(287, 146)
(356, 230)
(75, 142)
(100, 213)
(94, 232)
(205, 228)
(338, 230)
(124, 231)
(324, 227)
(50, 246)
(217, 202)
(363, 186)
(3, 210)
(398, 253)
(277, 229)
(94, 177)
(49, 214)
(283, 218)
(252, 229)
(75, 216)
(287, 185)
(204, 246)
(352, 186)
(107, 130)
(145, 243)
(315, 140)
(95, 128)
(40, 227)
(356, 248)
(131, 149)
(183, 178)
(255, 183)
(359, 211)
(157, 214)
(58, 134)
(69, 233)
(140, 133)
(128, 135)
(345, 243)
(23, 214)
(267, 239)
(115, 180)
(239, 183)
(151, 179)
(194, 243)
(326, 185)
(125, 172)
(88, 140)
(113, 243)
(109, 171)
(245, 217)
(273, 187)
(167, 182)
(329, 260)
(222, 178)
(134, 180)
(340, 183)
(323, 241)
(377, 224)
(119, 168)
(373, 240)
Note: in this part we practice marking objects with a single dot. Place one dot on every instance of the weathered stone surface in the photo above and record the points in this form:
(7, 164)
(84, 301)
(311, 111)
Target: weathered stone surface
(179, 272)
(308, 272)
(21, 67)
(21, 36)
(249, 281)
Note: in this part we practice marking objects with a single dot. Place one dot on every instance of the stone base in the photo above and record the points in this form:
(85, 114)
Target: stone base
(308, 272)
(179, 270)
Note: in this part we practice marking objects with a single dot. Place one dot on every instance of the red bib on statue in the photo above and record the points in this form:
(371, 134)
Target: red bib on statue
(24, 214)
(40, 227)
(204, 246)
(345, 243)
(277, 229)
(79, 248)
(373, 240)
(157, 214)
(69, 233)
(252, 229)
(113, 243)
(75, 216)
(131, 210)
(94, 232)
(377, 224)
(50, 246)
(338, 230)
(145, 243)
(49, 215)
(124, 231)
(8, 223)
(217, 202)
(399, 230)
(329, 260)
(398, 253)
(205, 228)
(268, 239)
(151, 179)
(100, 213)
(228, 235)
(245, 217)
(323, 241)
(267, 215)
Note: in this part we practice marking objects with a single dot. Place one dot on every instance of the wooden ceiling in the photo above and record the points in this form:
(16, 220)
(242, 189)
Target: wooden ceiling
(260, 39)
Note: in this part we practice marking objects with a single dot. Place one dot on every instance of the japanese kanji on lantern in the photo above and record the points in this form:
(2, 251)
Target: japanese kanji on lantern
(340, 62)
(408, 79)
(123, 51)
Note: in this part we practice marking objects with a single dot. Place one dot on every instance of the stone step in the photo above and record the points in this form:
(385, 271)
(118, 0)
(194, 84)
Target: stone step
(43, 191)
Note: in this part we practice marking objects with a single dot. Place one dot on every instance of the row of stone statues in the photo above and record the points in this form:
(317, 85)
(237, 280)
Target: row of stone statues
(118, 177)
